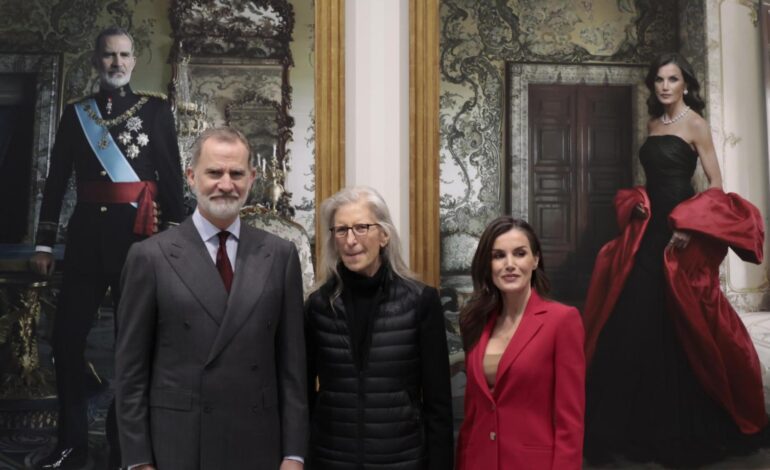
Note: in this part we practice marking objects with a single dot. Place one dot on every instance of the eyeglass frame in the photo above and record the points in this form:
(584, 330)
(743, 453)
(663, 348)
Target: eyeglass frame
(337, 233)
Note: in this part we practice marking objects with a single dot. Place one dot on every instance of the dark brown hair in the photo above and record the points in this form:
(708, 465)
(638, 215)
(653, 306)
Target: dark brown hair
(486, 297)
(691, 99)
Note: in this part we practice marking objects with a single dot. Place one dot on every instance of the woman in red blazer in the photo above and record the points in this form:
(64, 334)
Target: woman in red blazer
(524, 397)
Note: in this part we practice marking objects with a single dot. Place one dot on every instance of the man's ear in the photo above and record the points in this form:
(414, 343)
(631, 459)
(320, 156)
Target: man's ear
(190, 177)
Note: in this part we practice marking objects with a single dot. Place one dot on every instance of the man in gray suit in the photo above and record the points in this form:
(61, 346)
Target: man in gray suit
(210, 356)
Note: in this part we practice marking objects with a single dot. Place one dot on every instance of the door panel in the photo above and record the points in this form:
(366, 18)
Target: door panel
(579, 157)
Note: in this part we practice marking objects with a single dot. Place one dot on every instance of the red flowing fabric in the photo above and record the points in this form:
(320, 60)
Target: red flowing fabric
(716, 342)
(613, 265)
(714, 338)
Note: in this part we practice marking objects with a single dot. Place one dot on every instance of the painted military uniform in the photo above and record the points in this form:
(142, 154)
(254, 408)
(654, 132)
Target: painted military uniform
(105, 222)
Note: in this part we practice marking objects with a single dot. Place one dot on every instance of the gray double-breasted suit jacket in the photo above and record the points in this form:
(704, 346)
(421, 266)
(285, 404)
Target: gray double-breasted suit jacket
(205, 380)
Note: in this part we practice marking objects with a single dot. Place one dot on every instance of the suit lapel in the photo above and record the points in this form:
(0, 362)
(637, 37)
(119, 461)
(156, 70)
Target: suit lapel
(477, 357)
(189, 258)
(528, 328)
(253, 264)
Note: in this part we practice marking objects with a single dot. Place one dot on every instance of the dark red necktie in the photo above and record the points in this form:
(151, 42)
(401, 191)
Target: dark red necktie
(223, 261)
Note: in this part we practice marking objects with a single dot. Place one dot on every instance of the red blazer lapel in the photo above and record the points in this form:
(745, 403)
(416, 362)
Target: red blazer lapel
(528, 328)
(476, 357)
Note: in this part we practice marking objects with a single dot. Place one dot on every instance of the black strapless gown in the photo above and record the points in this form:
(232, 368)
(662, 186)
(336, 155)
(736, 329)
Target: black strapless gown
(643, 400)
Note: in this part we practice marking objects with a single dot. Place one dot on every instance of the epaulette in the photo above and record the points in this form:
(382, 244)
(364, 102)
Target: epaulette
(80, 98)
(153, 94)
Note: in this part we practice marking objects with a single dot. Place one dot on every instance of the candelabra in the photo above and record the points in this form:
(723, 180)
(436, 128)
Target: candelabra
(190, 119)
(270, 190)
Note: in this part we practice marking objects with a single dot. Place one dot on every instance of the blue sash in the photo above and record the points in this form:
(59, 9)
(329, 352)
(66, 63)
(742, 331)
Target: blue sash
(111, 158)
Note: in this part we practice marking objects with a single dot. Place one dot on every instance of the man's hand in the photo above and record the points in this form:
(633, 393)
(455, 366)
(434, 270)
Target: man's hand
(289, 464)
(42, 263)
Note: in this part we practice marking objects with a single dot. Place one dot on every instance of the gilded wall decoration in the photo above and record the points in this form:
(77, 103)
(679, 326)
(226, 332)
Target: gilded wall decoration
(478, 38)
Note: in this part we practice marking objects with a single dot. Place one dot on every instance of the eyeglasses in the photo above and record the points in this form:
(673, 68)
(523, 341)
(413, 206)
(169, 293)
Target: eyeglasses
(359, 230)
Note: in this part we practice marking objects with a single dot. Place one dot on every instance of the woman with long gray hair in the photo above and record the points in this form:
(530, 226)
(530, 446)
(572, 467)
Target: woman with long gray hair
(376, 344)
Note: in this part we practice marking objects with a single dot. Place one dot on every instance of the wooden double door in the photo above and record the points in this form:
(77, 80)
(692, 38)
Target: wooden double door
(580, 155)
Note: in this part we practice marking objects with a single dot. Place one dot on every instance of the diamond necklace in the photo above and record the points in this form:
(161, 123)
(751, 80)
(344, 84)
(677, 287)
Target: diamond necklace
(679, 116)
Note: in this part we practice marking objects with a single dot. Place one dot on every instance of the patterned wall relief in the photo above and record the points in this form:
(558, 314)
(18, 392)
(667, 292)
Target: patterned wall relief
(692, 35)
(256, 29)
(478, 39)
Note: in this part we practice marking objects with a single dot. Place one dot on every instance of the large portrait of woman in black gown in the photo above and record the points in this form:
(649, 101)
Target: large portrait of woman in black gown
(663, 345)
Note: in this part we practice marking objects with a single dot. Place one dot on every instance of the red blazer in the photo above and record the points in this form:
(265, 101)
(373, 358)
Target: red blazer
(534, 418)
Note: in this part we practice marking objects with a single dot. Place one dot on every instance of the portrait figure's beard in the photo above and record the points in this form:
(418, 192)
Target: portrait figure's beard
(114, 81)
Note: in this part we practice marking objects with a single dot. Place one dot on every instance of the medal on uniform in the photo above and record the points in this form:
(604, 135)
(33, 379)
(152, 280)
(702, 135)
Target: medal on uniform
(109, 105)
(133, 125)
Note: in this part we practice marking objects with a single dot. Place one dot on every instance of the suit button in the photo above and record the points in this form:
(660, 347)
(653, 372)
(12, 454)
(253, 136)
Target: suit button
(103, 173)
(103, 208)
(186, 325)
(493, 407)
(207, 409)
(254, 409)
(492, 436)
(254, 367)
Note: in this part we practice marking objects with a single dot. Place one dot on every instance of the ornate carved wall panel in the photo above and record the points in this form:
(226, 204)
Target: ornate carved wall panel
(256, 29)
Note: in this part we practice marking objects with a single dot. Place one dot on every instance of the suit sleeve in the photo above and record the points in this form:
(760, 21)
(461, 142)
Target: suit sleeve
(290, 354)
(436, 388)
(136, 320)
(569, 395)
(59, 172)
(169, 166)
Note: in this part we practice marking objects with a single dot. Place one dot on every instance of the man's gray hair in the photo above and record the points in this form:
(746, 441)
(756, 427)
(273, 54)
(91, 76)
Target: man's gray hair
(221, 134)
(330, 257)
(111, 31)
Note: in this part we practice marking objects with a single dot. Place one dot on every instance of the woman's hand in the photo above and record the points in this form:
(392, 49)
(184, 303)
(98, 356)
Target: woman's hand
(639, 212)
(679, 239)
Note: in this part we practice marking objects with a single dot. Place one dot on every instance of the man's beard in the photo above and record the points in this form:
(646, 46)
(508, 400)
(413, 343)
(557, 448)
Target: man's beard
(221, 207)
(114, 82)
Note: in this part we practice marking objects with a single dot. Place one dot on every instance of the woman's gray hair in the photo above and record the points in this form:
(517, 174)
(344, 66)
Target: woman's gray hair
(330, 258)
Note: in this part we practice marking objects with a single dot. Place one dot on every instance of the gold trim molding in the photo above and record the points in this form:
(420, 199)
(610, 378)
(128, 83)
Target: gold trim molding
(424, 236)
(329, 102)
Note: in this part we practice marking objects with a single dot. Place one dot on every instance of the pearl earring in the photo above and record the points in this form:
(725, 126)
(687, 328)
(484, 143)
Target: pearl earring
(685, 92)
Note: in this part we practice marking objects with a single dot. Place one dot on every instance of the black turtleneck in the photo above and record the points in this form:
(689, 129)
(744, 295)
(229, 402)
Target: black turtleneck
(360, 296)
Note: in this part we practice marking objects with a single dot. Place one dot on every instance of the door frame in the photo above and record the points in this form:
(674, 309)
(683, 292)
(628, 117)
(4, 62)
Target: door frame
(520, 76)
